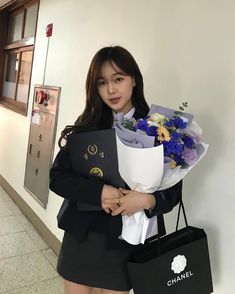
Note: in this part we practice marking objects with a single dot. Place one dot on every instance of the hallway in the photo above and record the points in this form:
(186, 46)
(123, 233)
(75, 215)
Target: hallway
(27, 264)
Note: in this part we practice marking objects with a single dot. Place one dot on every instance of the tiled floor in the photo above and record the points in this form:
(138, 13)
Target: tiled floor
(27, 265)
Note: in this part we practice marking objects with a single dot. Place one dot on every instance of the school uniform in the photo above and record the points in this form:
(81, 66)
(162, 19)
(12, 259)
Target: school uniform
(91, 252)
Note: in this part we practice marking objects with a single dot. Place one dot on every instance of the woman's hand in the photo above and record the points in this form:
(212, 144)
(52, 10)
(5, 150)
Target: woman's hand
(133, 201)
(110, 198)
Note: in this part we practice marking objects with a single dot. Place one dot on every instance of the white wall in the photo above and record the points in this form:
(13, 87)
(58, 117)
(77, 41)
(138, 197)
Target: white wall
(185, 49)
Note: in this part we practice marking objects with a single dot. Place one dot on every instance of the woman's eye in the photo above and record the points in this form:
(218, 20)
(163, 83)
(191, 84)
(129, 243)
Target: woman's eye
(100, 83)
(118, 80)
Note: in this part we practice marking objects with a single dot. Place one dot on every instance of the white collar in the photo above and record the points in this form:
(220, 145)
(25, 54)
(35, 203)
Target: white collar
(128, 115)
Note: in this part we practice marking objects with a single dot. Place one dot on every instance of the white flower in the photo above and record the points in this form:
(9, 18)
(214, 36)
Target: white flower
(178, 264)
(156, 117)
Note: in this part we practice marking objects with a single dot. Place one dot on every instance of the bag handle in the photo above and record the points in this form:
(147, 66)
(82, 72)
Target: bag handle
(181, 205)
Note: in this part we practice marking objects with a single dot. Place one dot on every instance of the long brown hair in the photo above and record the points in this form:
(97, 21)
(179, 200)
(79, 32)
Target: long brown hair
(97, 115)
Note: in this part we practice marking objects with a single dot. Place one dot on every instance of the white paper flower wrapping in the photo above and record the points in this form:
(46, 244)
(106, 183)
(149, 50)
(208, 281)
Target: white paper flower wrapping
(143, 172)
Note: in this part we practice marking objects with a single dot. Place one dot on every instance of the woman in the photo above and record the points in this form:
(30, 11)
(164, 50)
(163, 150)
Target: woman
(92, 255)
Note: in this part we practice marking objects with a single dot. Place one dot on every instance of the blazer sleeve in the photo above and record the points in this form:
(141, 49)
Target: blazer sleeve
(166, 200)
(69, 185)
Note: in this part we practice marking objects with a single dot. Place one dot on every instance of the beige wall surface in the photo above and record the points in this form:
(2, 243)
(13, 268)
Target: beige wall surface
(185, 50)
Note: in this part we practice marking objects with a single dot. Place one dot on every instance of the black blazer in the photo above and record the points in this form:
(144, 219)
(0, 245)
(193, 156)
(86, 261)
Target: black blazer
(67, 182)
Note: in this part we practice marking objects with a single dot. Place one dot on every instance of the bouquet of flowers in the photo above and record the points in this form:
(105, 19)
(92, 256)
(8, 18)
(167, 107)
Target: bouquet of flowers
(168, 143)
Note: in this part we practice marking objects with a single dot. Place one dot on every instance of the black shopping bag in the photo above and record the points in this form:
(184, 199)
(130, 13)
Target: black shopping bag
(174, 264)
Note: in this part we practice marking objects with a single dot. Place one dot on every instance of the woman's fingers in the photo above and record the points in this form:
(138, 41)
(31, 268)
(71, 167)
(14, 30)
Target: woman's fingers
(110, 192)
(119, 210)
(124, 191)
(111, 200)
(109, 207)
(129, 202)
(106, 210)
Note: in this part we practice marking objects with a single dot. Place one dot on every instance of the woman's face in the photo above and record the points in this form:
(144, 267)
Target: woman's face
(115, 88)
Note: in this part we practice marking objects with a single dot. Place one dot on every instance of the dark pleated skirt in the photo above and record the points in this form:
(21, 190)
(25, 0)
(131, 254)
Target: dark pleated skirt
(91, 263)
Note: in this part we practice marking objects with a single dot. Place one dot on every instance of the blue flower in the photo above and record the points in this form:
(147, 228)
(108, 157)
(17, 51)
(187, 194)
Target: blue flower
(153, 131)
(172, 147)
(169, 123)
(179, 123)
(142, 125)
(178, 159)
(176, 135)
(188, 142)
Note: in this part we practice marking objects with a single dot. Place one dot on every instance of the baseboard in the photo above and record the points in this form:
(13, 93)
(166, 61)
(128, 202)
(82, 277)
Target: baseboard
(39, 226)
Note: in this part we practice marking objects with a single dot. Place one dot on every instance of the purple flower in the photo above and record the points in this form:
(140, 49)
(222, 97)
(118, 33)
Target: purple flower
(190, 156)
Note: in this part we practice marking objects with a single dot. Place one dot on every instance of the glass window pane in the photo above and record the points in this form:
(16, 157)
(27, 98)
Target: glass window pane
(24, 76)
(15, 27)
(12, 68)
(30, 22)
